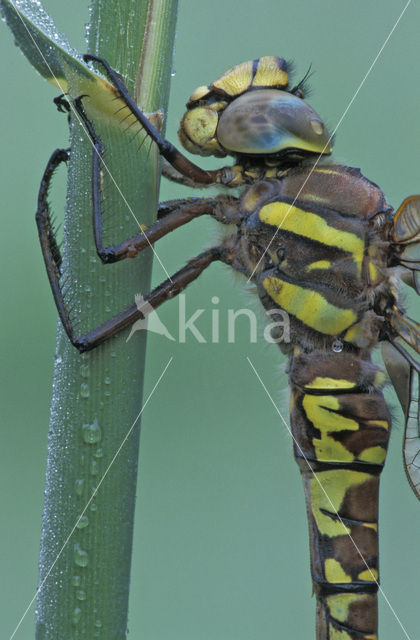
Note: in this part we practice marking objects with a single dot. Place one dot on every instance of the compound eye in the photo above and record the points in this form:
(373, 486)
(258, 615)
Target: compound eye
(269, 121)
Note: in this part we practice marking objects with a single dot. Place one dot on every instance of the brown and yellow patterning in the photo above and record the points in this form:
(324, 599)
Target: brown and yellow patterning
(250, 110)
(341, 428)
(323, 249)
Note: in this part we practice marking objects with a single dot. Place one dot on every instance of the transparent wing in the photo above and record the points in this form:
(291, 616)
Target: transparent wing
(404, 373)
(405, 236)
(404, 341)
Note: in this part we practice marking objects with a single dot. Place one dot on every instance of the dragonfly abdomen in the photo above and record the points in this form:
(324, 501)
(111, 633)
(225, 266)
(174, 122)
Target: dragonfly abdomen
(341, 427)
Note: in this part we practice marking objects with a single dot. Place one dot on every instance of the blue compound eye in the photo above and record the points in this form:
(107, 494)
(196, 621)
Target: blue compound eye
(269, 121)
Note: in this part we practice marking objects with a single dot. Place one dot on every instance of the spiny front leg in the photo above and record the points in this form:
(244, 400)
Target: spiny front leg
(165, 291)
(49, 246)
(184, 166)
(171, 216)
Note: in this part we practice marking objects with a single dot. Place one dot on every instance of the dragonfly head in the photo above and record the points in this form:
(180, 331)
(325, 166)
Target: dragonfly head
(251, 112)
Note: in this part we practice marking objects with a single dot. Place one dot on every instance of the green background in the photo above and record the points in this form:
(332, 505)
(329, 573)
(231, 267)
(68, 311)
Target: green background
(220, 547)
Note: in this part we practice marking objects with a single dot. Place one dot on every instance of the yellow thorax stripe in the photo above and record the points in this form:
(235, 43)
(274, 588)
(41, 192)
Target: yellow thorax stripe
(319, 264)
(309, 306)
(310, 225)
(330, 383)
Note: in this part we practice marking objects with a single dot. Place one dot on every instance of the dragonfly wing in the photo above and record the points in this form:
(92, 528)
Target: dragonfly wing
(411, 278)
(411, 448)
(410, 256)
(406, 228)
(405, 237)
(406, 328)
(399, 372)
(404, 374)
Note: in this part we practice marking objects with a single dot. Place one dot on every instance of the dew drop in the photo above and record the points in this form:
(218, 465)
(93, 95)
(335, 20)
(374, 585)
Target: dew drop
(84, 371)
(78, 485)
(98, 623)
(80, 556)
(82, 522)
(93, 506)
(81, 594)
(337, 346)
(92, 433)
(99, 452)
(94, 468)
(76, 581)
(84, 390)
(76, 615)
(107, 380)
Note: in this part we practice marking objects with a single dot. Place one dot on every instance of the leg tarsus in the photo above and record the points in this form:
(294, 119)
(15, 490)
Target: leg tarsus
(50, 249)
(180, 163)
(42, 216)
(165, 291)
(52, 258)
(171, 215)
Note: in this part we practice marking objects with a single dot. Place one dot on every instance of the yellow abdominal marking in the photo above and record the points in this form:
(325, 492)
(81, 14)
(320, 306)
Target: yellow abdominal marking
(334, 572)
(309, 306)
(376, 455)
(321, 411)
(380, 423)
(312, 226)
(327, 492)
(369, 575)
(339, 605)
(337, 634)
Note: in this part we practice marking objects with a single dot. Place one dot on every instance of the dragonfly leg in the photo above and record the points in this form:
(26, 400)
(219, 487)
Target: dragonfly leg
(49, 246)
(165, 291)
(180, 163)
(171, 215)
(189, 208)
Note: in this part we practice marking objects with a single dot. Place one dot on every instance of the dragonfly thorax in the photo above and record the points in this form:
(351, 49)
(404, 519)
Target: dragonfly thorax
(317, 258)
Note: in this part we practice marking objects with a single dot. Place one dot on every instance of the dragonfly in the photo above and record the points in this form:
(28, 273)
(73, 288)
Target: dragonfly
(322, 245)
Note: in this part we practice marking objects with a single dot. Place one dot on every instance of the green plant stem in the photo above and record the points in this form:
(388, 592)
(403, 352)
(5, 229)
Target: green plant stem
(97, 396)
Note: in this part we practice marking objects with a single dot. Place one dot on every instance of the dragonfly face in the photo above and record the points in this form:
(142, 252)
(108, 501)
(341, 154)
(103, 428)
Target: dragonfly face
(322, 244)
(250, 113)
